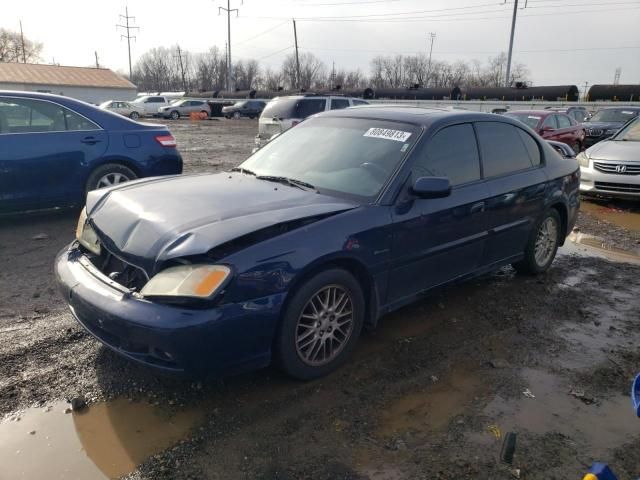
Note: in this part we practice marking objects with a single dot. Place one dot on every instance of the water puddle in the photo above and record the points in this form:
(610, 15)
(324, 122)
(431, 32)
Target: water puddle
(432, 409)
(622, 214)
(588, 245)
(106, 440)
(600, 426)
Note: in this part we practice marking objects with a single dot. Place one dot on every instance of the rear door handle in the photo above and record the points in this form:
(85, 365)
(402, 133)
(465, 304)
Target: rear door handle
(90, 140)
(477, 207)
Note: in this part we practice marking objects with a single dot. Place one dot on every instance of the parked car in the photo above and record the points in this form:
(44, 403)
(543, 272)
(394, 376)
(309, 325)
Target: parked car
(552, 126)
(184, 108)
(564, 150)
(579, 114)
(54, 149)
(611, 168)
(244, 108)
(606, 122)
(123, 108)
(282, 113)
(350, 215)
(149, 104)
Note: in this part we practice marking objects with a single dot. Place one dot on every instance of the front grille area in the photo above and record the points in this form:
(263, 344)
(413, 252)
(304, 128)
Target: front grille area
(594, 132)
(618, 187)
(125, 274)
(617, 168)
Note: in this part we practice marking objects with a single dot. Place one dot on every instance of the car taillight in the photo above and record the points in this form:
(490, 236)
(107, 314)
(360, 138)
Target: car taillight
(166, 140)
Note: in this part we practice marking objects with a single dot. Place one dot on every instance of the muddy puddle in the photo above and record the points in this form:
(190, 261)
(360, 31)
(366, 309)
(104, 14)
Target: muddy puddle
(599, 425)
(622, 214)
(588, 245)
(105, 440)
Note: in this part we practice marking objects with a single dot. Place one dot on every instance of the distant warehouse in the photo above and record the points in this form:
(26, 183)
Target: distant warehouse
(92, 85)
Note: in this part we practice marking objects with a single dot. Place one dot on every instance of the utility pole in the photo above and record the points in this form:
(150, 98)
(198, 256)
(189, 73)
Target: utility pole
(128, 35)
(432, 37)
(97, 63)
(295, 38)
(513, 31)
(616, 77)
(333, 76)
(184, 81)
(229, 10)
(24, 55)
(585, 95)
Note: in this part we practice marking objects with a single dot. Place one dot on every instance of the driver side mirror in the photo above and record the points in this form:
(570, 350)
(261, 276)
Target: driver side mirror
(431, 187)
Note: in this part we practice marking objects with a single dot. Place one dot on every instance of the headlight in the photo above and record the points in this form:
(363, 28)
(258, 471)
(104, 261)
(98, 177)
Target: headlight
(198, 281)
(86, 235)
(583, 160)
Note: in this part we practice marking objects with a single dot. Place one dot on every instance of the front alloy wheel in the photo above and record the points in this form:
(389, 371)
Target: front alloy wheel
(320, 325)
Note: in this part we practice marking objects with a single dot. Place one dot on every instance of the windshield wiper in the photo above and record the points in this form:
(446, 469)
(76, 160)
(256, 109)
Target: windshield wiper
(243, 170)
(289, 181)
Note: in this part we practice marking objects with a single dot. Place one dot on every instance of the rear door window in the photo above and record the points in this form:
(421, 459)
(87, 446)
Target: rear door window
(310, 106)
(563, 121)
(502, 149)
(339, 103)
(451, 153)
(550, 121)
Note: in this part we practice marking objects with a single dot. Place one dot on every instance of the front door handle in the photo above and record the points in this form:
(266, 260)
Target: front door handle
(90, 140)
(477, 208)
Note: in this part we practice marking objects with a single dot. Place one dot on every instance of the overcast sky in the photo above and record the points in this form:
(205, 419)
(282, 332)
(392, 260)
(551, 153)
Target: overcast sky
(561, 41)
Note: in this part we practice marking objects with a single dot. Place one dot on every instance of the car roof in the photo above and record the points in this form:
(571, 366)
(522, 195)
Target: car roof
(537, 113)
(635, 109)
(315, 95)
(420, 116)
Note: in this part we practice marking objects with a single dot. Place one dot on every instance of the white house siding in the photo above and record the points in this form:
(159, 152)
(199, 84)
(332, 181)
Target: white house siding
(95, 95)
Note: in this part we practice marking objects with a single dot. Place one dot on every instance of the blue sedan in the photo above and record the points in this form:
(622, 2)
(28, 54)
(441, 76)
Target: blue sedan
(350, 215)
(53, 150)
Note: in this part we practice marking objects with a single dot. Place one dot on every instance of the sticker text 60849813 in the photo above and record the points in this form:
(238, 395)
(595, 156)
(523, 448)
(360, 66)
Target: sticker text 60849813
(388, 134)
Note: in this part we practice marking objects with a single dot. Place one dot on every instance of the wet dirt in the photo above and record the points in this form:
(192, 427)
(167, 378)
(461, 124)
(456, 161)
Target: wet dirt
(104, 440)
(422, 397)
(624, 214)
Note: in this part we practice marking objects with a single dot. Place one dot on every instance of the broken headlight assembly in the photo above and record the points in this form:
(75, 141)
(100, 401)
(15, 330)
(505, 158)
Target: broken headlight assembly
(86, 235)
(193, 281)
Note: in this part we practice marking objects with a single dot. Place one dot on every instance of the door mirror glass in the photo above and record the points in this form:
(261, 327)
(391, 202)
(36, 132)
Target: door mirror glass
(431, 187)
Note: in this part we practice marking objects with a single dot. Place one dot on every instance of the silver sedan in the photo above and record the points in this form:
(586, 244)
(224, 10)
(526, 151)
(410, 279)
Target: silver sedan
(184, 108)
(123, 108)
(611, 167)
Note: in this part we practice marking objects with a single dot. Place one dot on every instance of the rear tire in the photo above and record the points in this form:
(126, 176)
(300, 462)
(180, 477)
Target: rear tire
(321, 325)
(237, 115)
(109, 175)
(205, 114)
(542, 245)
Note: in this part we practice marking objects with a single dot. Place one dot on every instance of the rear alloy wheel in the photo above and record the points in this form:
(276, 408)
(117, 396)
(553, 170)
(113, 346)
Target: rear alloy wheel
(236, 115)
(174, 115)
(577, 148)
(321, 325)
(109, 175)
(542, 246)
(134, 115)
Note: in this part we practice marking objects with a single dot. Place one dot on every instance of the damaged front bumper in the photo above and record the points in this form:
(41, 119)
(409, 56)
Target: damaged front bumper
(228, 338)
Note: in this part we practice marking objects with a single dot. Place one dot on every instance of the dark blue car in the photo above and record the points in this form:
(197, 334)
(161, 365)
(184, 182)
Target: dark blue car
(54, 149)
(348, 216)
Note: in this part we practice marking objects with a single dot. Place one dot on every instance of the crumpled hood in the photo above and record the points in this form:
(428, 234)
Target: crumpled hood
(615, 151)
(149, 221)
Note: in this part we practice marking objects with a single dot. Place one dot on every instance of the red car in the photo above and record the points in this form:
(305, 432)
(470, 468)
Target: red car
(552, 126)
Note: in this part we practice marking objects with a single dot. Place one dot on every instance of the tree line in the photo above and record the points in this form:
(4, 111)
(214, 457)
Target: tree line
(173, 69)
(14, 49)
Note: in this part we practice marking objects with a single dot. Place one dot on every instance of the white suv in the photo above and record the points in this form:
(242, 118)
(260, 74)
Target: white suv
(149, 104)
(282, 113)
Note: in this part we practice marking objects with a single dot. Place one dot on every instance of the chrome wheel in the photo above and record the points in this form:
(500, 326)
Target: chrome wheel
(546, 241)
(324, 326)
(111, 179)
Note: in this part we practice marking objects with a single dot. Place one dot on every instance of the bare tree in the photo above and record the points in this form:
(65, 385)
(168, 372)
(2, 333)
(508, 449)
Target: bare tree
(312, 71)
(11, 48)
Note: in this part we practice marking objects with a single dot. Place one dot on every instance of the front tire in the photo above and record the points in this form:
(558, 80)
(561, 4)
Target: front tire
(134, 115)
(109, 175)
(237, 115)
(174, 115)
(321, 325)
(542, 245)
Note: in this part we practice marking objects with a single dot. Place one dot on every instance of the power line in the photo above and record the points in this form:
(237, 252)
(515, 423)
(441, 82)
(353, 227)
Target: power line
(261, 33)
(128, 35)
(275, 53)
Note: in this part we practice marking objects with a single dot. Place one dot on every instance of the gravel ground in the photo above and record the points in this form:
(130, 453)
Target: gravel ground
(430, 394)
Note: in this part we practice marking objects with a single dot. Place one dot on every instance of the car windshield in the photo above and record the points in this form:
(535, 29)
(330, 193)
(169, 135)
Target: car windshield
(280, 108)
(630, 133)
(614, 115)
(528, 119)
(350, 157)
(240, 104)
(105, 104)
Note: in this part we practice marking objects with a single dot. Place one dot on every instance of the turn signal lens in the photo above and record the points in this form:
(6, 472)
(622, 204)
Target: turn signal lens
(198, 281)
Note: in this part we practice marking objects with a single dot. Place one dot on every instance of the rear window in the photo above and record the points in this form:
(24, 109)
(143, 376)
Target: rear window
(503, 150)
(294, 107)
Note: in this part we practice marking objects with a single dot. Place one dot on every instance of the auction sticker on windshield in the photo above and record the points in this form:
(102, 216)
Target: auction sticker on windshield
(387, 133)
